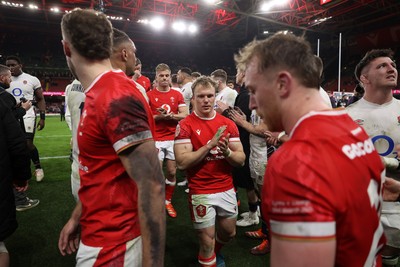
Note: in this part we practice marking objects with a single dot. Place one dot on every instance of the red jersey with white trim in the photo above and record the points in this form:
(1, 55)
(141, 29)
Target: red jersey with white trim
(145, 82)
(214, 173)
(325, 183)
(114, 118)
(169, 100)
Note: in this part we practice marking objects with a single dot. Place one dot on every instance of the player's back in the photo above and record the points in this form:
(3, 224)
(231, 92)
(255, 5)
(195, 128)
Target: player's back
(333, 173)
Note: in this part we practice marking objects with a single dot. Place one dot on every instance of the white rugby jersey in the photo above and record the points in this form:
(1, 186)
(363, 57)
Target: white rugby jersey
(227, 95)
(381, 122)
(74, 101)
(24, 85)
(258, 148)
(187, 93)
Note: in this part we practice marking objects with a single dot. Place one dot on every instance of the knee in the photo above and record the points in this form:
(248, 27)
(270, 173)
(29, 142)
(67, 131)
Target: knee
(226, 236)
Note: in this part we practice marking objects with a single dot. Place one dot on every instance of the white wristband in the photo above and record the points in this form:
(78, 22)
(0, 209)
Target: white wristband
(280, 135)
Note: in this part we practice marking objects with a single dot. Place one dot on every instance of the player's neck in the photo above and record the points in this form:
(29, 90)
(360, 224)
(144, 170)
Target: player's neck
(207, 115)
(18, 74)
(186, 81)
(222, 87)
(88, 71)
(163, 88)
(379, 97)
(299, 104)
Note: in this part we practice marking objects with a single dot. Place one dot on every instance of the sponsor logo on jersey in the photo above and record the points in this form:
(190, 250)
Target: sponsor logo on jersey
(358, 149)
(17, 92)
(166, 107)
(215, 150)
(201, 210)
(359, 121)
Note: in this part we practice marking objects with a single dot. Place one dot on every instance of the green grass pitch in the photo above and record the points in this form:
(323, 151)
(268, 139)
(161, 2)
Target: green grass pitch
(34, 244)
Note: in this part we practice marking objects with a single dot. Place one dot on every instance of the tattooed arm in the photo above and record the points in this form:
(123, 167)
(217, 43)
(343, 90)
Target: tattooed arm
(142, 164)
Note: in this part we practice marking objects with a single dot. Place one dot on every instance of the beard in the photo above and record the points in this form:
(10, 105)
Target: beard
(5, 84)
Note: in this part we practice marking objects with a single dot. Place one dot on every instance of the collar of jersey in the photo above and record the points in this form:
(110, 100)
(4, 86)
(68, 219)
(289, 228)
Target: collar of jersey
(99, 77)
(206, 119)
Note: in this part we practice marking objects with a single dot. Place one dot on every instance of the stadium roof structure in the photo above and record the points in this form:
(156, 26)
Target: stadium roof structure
(221, 23)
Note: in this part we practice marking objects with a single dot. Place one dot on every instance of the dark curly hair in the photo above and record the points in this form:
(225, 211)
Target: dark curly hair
(370, 56)
(89, 32)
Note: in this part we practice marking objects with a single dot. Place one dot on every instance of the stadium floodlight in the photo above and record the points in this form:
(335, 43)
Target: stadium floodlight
(179, 26)
(157, 23)
(55, 9)
(143, 21)
(268, 5)
(193, 28)
(33, 6)
(213, 2)
(115, 18)
(12, 4)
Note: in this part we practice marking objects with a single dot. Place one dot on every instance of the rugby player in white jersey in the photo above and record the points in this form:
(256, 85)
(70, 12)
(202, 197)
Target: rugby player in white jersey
(27, 87)
(74, 102)
(378, 113)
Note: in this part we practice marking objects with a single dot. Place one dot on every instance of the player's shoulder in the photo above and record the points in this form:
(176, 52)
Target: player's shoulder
(224, 119)
(396, 102)
(25, 75)
(146, 78)
(354, 106)
(189, 118)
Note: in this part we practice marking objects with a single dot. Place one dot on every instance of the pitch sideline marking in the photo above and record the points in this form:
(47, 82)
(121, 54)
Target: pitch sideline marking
(55, 157)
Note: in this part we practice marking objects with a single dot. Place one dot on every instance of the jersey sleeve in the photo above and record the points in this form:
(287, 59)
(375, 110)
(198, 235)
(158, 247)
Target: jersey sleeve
(181, 100)
(234, 132)
(182, 133)
(67, 111)
(127, 122)
(300, 206)
(36, 83)
(231, 97)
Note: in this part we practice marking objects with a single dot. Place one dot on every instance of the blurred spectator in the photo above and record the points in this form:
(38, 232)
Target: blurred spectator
(358, 94)
(332, 98)
(62, 112)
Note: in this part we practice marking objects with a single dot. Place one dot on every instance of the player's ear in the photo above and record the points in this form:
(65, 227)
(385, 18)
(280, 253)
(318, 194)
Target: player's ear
(363, 79)
(284, 80)
(124, 55)
(66, 48)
